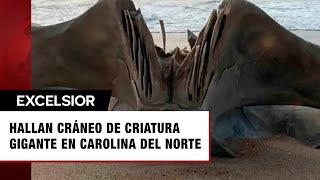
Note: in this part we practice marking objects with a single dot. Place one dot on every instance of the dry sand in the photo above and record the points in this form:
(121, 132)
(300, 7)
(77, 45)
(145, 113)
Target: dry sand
(280, 157)
(277, 158)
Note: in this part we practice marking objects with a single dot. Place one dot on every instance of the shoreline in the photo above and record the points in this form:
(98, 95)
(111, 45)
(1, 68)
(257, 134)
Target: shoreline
(179, 39)
(196, 32)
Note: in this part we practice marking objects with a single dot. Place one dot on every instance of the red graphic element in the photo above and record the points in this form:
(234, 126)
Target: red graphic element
(15, 64)
(15, 46)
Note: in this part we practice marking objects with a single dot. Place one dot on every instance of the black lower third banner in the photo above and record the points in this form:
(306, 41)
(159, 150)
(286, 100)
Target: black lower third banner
(57, 100)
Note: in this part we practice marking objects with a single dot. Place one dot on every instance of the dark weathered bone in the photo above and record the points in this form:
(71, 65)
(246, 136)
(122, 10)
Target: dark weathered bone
(252, 61)
(255, 65)
(192, 38)
(198, 63)
(120, 55)
(163, 32)
(241, 58)
(264, 121)
(239, 44)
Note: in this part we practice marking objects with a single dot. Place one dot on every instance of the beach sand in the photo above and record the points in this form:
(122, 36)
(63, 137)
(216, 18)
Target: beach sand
(180, 39)
(280, 157)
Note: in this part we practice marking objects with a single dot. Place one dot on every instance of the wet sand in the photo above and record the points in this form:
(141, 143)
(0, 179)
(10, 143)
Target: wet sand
(280, 157)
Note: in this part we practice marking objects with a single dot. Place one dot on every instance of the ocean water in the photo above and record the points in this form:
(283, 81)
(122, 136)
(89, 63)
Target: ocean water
(180, 15)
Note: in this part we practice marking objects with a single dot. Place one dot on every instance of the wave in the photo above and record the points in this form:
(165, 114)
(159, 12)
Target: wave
(182, 15)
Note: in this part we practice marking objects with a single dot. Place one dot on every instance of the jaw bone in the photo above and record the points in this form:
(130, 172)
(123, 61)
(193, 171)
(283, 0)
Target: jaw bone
(261, 63)
(145, 69)
(243, 57)
(192, 38)
(108, 47)
(194, 75)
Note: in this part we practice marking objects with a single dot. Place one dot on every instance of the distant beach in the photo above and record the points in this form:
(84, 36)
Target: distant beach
(300, 17)
(180, 39)
(181, 15)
